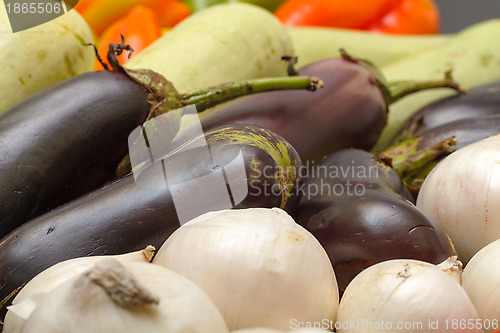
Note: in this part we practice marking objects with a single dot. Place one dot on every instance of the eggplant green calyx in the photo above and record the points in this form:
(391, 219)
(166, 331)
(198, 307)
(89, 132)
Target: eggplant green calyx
(207, 98)
(164, 97)
(412, 163)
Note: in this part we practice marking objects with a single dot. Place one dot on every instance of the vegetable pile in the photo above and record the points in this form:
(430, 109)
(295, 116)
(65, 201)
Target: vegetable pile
(253, 166)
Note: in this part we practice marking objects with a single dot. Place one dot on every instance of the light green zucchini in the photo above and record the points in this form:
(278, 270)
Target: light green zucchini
(473, 56)
(312, 44)
(226, 42)
(36, 58)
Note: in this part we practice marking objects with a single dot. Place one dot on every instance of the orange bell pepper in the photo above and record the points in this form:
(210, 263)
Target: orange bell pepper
(100, 14)
(169, 12)
(385, 16)
(140, 27)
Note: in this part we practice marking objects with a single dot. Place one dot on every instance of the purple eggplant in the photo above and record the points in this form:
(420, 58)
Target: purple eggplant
(65, 141)
(434, 144)
(480, 101)
(350, 110)
(465, 131)
(69, 139)
(361, 212)
(130, 213)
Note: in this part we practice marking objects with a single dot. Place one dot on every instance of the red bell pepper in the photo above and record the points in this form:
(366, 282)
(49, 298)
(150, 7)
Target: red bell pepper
(386, 16)
(140, 27)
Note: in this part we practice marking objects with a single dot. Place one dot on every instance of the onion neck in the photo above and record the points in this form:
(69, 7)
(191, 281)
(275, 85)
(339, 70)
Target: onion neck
(149, 252)
(120, 285)
(453, 267)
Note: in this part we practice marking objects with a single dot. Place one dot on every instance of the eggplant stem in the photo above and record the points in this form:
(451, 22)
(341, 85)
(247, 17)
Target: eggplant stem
(413, 127)
(395, 90)
(163, 96)
(412, 163)
(291, 65)
(377, 77)
(400, 89)
(115, 50)
(207, 98)
(98, 57)
(408, 157)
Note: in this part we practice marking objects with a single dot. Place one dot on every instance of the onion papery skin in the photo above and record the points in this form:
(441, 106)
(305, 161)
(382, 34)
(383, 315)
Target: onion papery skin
(75, 307)
(404, 295)
(52, 277)
(481, 281)
(462, 193)
(259, 267)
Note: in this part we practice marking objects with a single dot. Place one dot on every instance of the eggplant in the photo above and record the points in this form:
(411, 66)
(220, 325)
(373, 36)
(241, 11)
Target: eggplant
(414, 158)
(70, 139)
(65, 141)
(480, 101)
(140, 210)
(465, 131)
(361, 212)
(349, 111)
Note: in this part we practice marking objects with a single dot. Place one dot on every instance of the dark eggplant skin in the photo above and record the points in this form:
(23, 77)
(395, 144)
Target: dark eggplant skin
(124, 216)
(479, 101)
(465, 131)
(365, 215)
(349, 111)
(65, 141)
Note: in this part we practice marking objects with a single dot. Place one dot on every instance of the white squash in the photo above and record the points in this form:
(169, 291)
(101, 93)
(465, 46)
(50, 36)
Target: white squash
(36, 58)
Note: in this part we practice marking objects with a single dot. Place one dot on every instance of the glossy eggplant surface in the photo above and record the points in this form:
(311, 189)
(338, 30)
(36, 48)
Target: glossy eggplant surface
(241, 166)
(65, 141)
(361, 212)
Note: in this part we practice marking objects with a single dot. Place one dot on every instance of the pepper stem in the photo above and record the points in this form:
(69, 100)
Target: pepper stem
(207, 98)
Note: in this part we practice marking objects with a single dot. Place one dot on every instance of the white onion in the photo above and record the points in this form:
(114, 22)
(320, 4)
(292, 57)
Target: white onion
(52, 277)
(481, 281)
(404, 295)
(125, 297)
(462, 194)
(259, 267)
